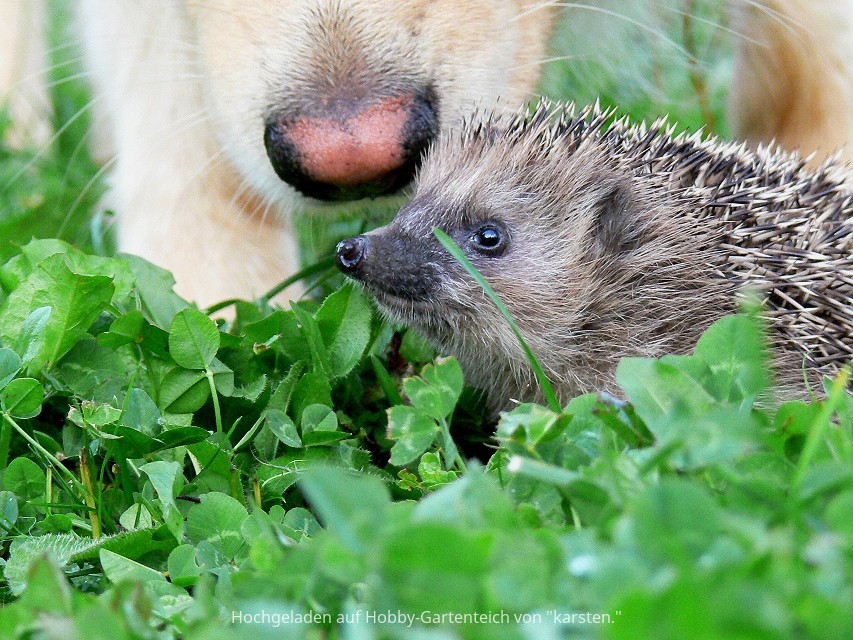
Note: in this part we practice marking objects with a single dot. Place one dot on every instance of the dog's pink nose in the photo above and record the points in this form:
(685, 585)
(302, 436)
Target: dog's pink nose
(367, 152)
(359, 149)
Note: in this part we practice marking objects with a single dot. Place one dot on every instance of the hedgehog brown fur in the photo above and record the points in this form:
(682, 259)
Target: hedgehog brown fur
(607, 239)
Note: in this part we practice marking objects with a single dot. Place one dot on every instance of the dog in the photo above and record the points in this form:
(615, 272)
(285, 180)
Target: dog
(793, 75)
(219, 119)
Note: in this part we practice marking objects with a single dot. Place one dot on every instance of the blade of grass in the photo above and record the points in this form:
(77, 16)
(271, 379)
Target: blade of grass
(541, 471)
(385, 382)
(216, 411)
(819, 427)
(451, 246)
(89, 496)
(323, 265)
(318, 267)
(48, 456)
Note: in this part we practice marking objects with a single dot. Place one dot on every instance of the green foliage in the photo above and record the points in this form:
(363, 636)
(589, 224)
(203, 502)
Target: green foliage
(52, 190)
(293, 472)
(280, 462)
(433, 397)
(647, 58)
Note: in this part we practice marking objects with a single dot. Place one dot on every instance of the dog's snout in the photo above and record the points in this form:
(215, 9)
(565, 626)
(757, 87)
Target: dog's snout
(369, 151)
(349, 254)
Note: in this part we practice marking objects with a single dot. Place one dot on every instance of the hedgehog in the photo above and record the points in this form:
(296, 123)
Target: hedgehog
(607, 239)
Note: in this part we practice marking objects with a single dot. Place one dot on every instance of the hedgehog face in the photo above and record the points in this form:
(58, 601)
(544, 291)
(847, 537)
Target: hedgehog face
(415, 280)
(538, 250)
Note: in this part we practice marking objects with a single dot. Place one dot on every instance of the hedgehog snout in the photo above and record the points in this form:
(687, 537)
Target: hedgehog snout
(391, 262)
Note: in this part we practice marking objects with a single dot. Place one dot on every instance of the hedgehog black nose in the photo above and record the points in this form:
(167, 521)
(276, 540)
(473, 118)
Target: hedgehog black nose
(349, 253)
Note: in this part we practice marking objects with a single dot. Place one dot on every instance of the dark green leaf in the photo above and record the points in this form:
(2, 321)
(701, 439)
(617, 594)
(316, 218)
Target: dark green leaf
(734, 348)
(685, 512)
(136, 516)
(75, 301)
(183, 569)
(319, 426)
(415, 348)
(217, 520)
(193, 339)
(10, 364)
(420, 557)
(351, 506)
(47, 588)
(32, 338)
(318, 417)
(223, 377)
(167, 480)
(99, 415)
(436, 392)
(126, 329)
(344, 322)
(67, 548)
(282, 427)
(184, 391)
(311, 388)
(95, 372)
(385, 381)
(22, 397)
(8, 511)
(310, 335)
(117, 568)
(414, 432)
(322, 438)
(140, 413)
(24, 478)
(154, 287)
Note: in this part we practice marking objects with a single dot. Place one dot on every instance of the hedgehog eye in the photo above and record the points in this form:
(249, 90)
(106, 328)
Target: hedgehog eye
(490, 239)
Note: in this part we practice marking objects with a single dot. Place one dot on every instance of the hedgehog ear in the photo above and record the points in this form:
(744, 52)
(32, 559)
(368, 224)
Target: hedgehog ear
(615, 228)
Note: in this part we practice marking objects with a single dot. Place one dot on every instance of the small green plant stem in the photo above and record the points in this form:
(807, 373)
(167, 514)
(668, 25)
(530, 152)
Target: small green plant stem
(58, 505)
(236, 487)
(453, 459)
(821, 423)
(216, 411)
(541, 471)
(51, 459)
(124, 478)
(121, 462)
(89, 571)
(89, 495)
(319, 282)
(548, 391)
(256, 491)
(48, 489)
(320, 266)
(385, 382)
(102, 483)
(5, 441)
(149, 369)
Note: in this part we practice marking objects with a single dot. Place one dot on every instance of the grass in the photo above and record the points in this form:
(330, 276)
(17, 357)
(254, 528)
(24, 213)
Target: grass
(311, 473)
(52, 191)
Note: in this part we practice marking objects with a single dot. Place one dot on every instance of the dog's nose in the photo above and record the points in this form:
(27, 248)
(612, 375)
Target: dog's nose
(368, 152)
(349, 254)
